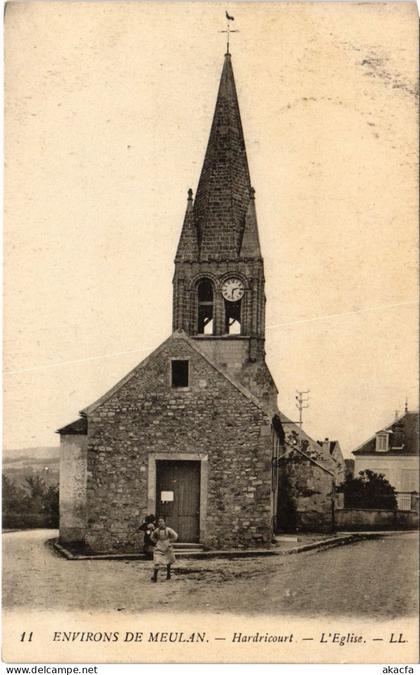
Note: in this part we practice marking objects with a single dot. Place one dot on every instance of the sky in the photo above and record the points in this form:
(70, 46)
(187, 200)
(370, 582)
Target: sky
(108, 109)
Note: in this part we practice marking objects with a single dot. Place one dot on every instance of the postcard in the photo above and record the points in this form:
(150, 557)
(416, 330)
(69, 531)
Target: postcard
(211, 333)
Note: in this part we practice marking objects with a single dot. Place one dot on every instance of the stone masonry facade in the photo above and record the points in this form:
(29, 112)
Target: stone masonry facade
(306, 496)
(213, 417)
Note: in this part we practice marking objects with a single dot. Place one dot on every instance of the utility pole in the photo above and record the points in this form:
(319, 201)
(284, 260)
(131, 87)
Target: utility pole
(302, 402)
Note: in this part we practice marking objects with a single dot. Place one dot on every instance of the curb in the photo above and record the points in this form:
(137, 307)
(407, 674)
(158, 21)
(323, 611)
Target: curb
(349, 538)
(99, 556)
(331, 543)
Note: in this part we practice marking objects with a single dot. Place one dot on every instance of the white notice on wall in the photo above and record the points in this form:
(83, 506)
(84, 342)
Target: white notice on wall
(167, 496)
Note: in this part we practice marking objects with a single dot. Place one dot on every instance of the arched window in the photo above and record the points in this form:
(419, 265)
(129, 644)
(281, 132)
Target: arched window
(233, 317)
(205, 307)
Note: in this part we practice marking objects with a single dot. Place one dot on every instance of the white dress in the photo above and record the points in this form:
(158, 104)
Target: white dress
(163, 553)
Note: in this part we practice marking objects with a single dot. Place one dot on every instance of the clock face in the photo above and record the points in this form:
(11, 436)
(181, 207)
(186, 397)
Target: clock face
(233, 289)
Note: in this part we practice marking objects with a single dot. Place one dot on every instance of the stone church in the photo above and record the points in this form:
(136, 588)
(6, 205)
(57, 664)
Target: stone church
(194, 432)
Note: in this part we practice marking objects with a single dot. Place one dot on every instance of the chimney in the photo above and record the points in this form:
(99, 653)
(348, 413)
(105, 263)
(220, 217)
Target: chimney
(398, 437)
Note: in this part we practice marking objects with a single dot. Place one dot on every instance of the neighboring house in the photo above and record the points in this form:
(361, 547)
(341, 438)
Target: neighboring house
(306, 482)
(394, 452)
(348, 468)
(193, 432)
(334, 450)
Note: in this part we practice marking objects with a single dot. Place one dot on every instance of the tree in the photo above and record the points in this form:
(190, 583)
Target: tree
(43, 498)
(368, 490)
(32, 503)
(51, 500)
(14, 497)
(35, 487)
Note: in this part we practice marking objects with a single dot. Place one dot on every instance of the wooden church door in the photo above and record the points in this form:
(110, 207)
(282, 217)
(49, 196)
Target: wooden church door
(178, 497)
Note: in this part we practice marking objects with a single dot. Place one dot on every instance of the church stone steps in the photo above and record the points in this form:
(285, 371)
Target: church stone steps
(181, 548)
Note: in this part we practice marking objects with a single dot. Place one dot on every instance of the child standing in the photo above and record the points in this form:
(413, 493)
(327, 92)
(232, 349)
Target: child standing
(147, 528)
(163, 554)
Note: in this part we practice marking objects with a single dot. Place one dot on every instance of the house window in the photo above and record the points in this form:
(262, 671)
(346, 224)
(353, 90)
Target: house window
(179, 373)
(381, 442)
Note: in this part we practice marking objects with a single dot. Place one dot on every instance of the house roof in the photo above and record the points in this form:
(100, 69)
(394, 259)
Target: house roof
(332, 445)
(409, 423)
(314, 452)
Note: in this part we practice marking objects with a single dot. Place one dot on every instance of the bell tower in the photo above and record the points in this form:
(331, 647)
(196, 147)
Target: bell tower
(218, 285)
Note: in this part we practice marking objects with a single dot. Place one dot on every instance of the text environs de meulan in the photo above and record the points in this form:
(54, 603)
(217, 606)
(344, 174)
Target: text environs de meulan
(162, 636)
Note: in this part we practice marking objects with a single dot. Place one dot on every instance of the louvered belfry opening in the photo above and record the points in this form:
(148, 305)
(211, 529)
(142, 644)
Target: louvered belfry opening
(233, 317)
(205, 297)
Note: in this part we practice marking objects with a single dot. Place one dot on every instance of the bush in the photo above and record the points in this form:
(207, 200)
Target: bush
(368, 490)
(31, 504)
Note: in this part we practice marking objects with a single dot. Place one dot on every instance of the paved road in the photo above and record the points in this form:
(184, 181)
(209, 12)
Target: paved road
(378, 578)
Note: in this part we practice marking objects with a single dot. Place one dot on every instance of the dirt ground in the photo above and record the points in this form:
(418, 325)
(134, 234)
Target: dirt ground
(342, 580)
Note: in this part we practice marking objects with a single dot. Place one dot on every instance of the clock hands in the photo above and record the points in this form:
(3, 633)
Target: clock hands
(232, 292)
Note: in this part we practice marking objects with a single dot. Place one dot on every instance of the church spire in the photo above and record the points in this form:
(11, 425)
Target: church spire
(223, 192)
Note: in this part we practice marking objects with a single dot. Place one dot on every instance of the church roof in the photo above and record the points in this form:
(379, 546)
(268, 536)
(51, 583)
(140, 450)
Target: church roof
(312, 452)
(409, 423)
(224, 190)
(177, 335)
(76, 428)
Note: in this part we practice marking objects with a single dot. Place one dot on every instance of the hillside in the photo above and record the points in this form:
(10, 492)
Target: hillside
(22, 462)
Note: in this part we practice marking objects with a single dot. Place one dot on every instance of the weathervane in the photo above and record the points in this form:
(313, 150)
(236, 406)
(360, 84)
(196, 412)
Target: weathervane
(228, 29)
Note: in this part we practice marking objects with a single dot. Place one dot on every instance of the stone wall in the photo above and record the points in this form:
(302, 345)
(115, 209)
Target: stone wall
(145, 415)
(232, 355)
(73, 458)
(251, 272)
(376, 519)
(306, 496)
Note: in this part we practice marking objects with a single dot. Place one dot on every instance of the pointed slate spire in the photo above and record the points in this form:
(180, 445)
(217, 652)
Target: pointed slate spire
(251, 242)
(223, 190)
(188, 245)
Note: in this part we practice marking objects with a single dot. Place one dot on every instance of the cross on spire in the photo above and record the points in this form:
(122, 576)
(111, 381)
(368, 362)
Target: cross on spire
(228, 30)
